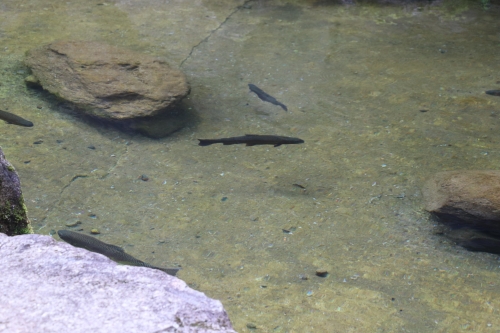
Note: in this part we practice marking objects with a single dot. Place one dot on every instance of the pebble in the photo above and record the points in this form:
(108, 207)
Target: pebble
(144, 178)
(251, 326)
(73, 223)
(95, 231)
(322, 273)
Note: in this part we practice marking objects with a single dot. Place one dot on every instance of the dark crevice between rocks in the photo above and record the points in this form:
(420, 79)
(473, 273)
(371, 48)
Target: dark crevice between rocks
(214, 31)
(129, 67)
(129, 96)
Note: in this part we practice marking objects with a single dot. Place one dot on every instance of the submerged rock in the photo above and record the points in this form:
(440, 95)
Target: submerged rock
(50, 286)
(468, 204)
(107, 81)
(13, 216)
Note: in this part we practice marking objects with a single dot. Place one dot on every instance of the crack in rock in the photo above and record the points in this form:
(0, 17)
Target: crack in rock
(237, 9)
(72, 180)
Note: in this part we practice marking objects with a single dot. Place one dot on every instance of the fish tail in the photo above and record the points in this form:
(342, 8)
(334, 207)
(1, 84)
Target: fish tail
(206, 142)
(169, 271)
(283, 106)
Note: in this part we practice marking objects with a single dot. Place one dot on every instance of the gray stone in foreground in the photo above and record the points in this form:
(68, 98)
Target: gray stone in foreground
(50, 286)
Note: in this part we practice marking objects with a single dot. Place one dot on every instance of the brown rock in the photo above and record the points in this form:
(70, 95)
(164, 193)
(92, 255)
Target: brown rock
(468, 203)
(469, 195)
(13, 217)
(107, 81)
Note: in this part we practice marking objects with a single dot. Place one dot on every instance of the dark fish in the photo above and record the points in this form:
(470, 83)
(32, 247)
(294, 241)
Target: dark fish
(266, 97)
(493, 92)
(13, 119)
(113, 252)
(253, 140)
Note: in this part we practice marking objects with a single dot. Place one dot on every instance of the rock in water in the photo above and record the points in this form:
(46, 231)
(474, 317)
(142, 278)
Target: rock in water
(13, 217)
(107, 81)
(53, 287)
(468, 203)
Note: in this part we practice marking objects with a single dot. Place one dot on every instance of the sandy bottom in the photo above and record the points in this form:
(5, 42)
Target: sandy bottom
(383, 95)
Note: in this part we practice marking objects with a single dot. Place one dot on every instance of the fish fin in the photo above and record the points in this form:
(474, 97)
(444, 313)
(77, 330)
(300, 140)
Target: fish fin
(277, 145)
(283, 106)
(116, 247)
(170, 271)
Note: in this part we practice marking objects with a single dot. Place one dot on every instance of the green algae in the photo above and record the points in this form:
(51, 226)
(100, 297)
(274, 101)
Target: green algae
(13, 212)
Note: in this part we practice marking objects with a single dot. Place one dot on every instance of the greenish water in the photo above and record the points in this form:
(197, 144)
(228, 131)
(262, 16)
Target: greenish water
(354, 79)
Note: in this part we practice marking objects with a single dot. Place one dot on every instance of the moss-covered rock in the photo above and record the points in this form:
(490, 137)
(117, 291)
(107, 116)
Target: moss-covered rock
(13, 212)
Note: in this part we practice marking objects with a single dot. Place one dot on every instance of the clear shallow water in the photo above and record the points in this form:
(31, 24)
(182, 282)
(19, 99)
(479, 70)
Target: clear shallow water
(354, 79)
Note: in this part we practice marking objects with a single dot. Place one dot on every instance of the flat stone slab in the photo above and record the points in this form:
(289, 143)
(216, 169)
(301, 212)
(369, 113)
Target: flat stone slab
(106, 81)
(50, 286)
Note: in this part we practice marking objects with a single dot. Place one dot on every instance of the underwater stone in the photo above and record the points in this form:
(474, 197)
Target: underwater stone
(13, 216)
(106, 81)
(468, 204)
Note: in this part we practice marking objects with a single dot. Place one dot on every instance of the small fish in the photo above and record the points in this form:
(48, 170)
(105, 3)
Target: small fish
(13, 119)
(266, 97)
(113, 252)
(493, 92)
(253, 140)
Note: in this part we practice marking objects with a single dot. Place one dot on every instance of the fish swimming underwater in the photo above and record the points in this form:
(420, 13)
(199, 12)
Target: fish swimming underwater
(253, 140)
(493, 92)
(113, 252)
(13, 119)
(266, 97)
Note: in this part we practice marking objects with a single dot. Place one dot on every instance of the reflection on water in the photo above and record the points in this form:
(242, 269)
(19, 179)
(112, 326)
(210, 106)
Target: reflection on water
(383, 95)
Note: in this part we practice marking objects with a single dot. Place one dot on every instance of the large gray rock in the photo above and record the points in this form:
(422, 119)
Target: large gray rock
(107, 81)
(50, 286)
(13, 217)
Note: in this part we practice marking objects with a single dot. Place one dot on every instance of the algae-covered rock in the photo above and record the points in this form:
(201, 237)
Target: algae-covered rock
(13, 214)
